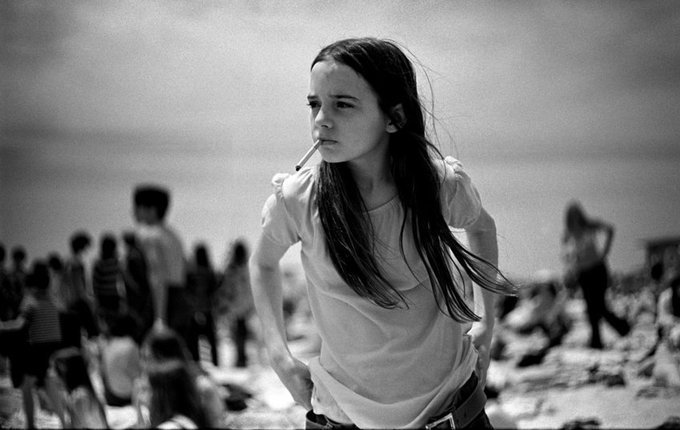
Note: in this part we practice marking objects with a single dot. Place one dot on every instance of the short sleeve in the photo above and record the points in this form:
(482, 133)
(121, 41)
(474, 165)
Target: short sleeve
(460, 199)
(277, 222)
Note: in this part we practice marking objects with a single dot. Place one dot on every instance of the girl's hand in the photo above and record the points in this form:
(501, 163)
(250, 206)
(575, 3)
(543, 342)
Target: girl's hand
(296, 377)
(481, 339)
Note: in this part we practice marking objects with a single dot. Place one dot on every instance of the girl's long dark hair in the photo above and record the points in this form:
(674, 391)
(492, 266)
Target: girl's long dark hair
(348, 229)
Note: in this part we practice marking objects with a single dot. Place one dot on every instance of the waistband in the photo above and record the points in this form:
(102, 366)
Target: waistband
(466, 405)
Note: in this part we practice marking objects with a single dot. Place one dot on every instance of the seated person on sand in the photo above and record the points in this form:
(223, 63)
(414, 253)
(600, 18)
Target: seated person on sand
(542, 306)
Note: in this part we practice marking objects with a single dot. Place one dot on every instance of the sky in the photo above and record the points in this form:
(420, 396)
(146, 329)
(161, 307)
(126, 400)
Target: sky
(506, 76)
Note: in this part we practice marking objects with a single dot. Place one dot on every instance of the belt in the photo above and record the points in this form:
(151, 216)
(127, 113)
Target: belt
(461, 415)
(458, 416)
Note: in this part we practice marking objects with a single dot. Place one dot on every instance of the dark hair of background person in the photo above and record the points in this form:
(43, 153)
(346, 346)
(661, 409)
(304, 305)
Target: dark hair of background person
(39, 276)
(173, 392)
(18, 254)
(80, 240)
(165, 344)
(54, 262)
(153, 196)
(201, 256)
(239, 253)
(71, 367)
(108, 246)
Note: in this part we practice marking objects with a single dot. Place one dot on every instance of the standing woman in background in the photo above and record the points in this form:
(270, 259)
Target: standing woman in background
(201, 286)
(586, 264)
(238, 299)
(404, 344)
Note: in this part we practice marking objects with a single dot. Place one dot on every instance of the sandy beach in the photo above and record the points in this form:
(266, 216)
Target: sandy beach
(573, 386)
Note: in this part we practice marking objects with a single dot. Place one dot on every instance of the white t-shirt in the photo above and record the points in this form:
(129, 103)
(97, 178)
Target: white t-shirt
(378, 368)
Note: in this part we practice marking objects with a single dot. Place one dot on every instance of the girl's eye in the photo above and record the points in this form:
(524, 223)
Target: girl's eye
(343, 105)
(313, 104)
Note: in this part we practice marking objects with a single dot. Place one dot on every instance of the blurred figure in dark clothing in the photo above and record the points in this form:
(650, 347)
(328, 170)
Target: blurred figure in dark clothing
(135, 273)
(238, 298)
(40, 325)
(5, 287)
(586, 263)
(17, 282)
(107, 280)
(76, 293)
(201, 285)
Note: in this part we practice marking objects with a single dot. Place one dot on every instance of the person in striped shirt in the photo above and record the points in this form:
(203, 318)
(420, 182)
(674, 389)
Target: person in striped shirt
(40, 321)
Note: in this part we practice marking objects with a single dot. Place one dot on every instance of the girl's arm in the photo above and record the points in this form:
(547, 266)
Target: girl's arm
(481, 238)
(268, 296)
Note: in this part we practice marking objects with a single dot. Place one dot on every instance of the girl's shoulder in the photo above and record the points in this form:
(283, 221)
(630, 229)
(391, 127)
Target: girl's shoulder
(295, 191)
(451, 172)
(459, 198)
(300, 183)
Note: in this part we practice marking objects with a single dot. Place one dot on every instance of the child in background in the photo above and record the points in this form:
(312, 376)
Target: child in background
(175, 402)
(107, 281)
(164, 344)
(120, 361)
(40, 321)
(77, 292)
(82, 408)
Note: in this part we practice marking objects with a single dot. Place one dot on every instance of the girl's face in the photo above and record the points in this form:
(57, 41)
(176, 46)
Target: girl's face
(345, 115)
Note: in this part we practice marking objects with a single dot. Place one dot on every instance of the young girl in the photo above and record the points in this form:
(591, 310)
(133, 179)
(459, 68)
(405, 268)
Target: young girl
(389, 286)
(81, 405)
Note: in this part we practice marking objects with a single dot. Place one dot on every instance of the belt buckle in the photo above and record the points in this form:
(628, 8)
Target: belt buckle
(448, 419)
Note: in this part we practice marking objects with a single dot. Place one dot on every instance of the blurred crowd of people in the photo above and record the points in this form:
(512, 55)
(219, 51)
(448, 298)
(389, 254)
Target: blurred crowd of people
(542, 305)
(133, 318)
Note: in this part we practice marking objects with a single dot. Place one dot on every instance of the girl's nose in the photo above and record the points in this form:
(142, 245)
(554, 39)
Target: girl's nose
(323, 119)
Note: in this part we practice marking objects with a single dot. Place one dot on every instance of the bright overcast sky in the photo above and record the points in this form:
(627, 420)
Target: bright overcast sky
(513, 75)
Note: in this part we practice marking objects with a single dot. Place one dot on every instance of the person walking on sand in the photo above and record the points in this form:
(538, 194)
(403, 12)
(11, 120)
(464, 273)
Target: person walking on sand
(164, 253)
(586, 264)
(391, 290)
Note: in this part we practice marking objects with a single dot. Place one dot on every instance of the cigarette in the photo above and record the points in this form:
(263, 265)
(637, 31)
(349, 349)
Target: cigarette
(307, 155)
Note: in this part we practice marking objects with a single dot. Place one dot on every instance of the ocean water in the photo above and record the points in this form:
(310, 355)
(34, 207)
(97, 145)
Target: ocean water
(48, 189)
